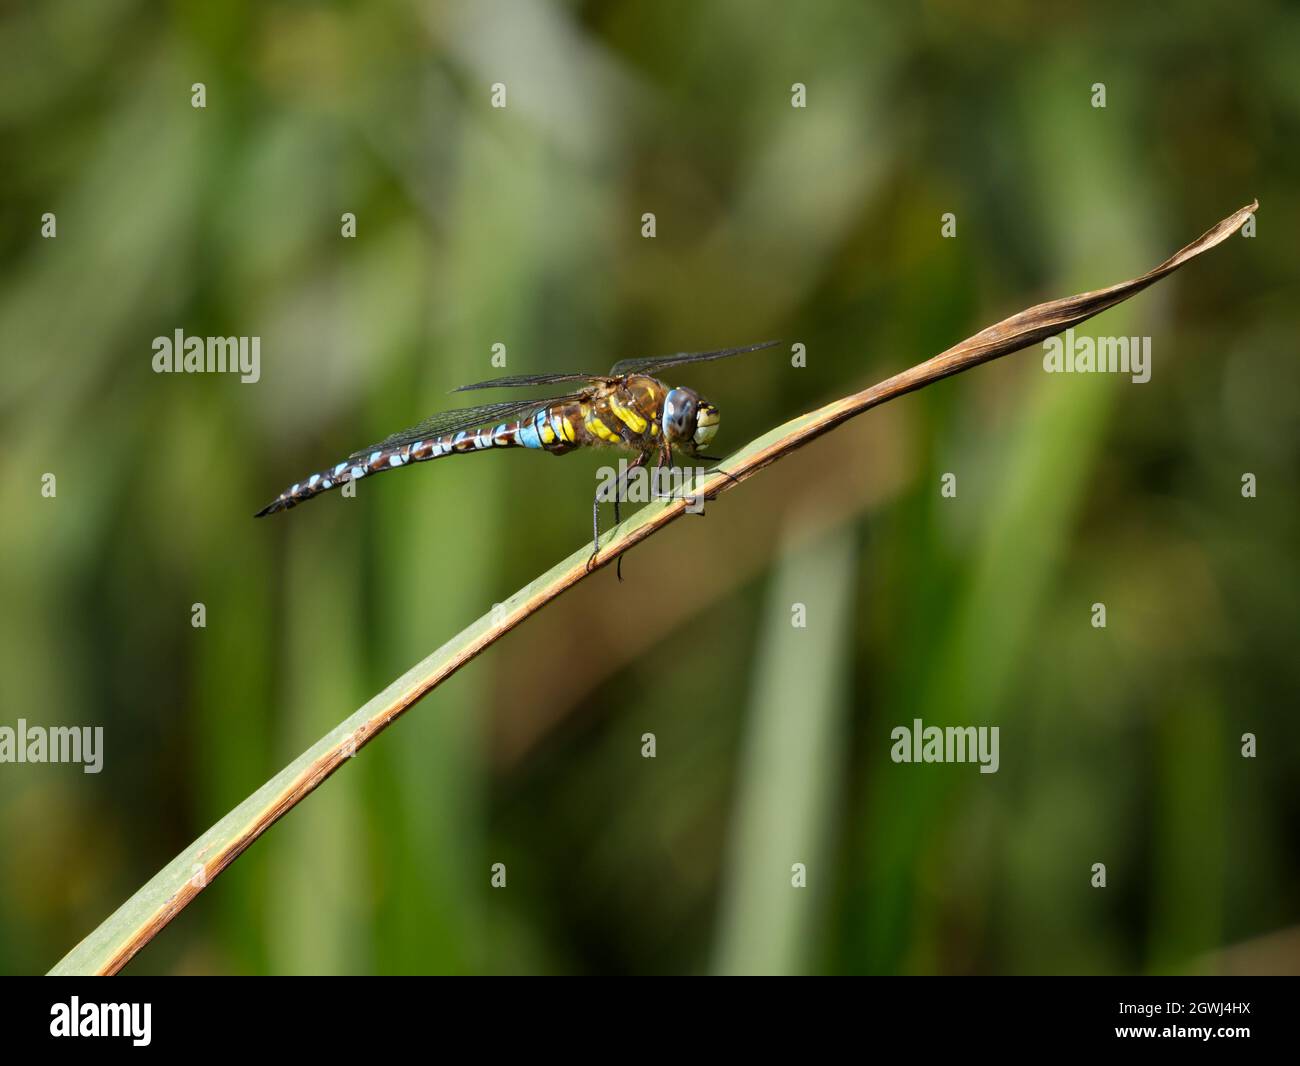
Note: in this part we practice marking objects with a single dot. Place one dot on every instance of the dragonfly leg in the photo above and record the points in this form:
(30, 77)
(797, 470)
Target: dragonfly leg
(595, 531)
(665, 459)
(623, 479)
(718, 469)
(619, 488)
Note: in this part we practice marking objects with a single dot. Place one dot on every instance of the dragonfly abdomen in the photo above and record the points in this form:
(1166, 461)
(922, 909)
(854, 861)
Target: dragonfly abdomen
(624, 416)
(381, 459)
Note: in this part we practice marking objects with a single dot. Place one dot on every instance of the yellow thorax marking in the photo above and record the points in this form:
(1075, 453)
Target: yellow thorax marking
(627, 416)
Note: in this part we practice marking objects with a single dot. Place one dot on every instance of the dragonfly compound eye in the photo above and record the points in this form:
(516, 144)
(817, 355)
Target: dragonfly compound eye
(680, 406)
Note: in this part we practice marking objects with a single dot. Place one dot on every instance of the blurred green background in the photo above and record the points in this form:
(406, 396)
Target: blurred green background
(521, 226)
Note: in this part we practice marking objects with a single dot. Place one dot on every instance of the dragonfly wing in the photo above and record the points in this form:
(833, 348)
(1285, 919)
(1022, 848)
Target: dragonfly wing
(661, 362)
(518, 381)
(461, 418)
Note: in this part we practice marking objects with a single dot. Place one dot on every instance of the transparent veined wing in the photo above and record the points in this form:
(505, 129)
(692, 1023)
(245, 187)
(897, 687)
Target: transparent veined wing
(517, 381)
(660, 362)
(646, 365)
(460, 418)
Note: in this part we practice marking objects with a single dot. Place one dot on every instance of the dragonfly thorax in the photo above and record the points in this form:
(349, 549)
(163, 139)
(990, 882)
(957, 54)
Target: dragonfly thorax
(689, 420)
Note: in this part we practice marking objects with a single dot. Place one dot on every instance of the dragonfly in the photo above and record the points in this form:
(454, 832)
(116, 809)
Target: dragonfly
(630, 408)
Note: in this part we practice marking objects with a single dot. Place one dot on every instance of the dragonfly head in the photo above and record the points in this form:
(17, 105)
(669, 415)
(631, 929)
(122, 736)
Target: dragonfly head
(690, 421)
(706, 424)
